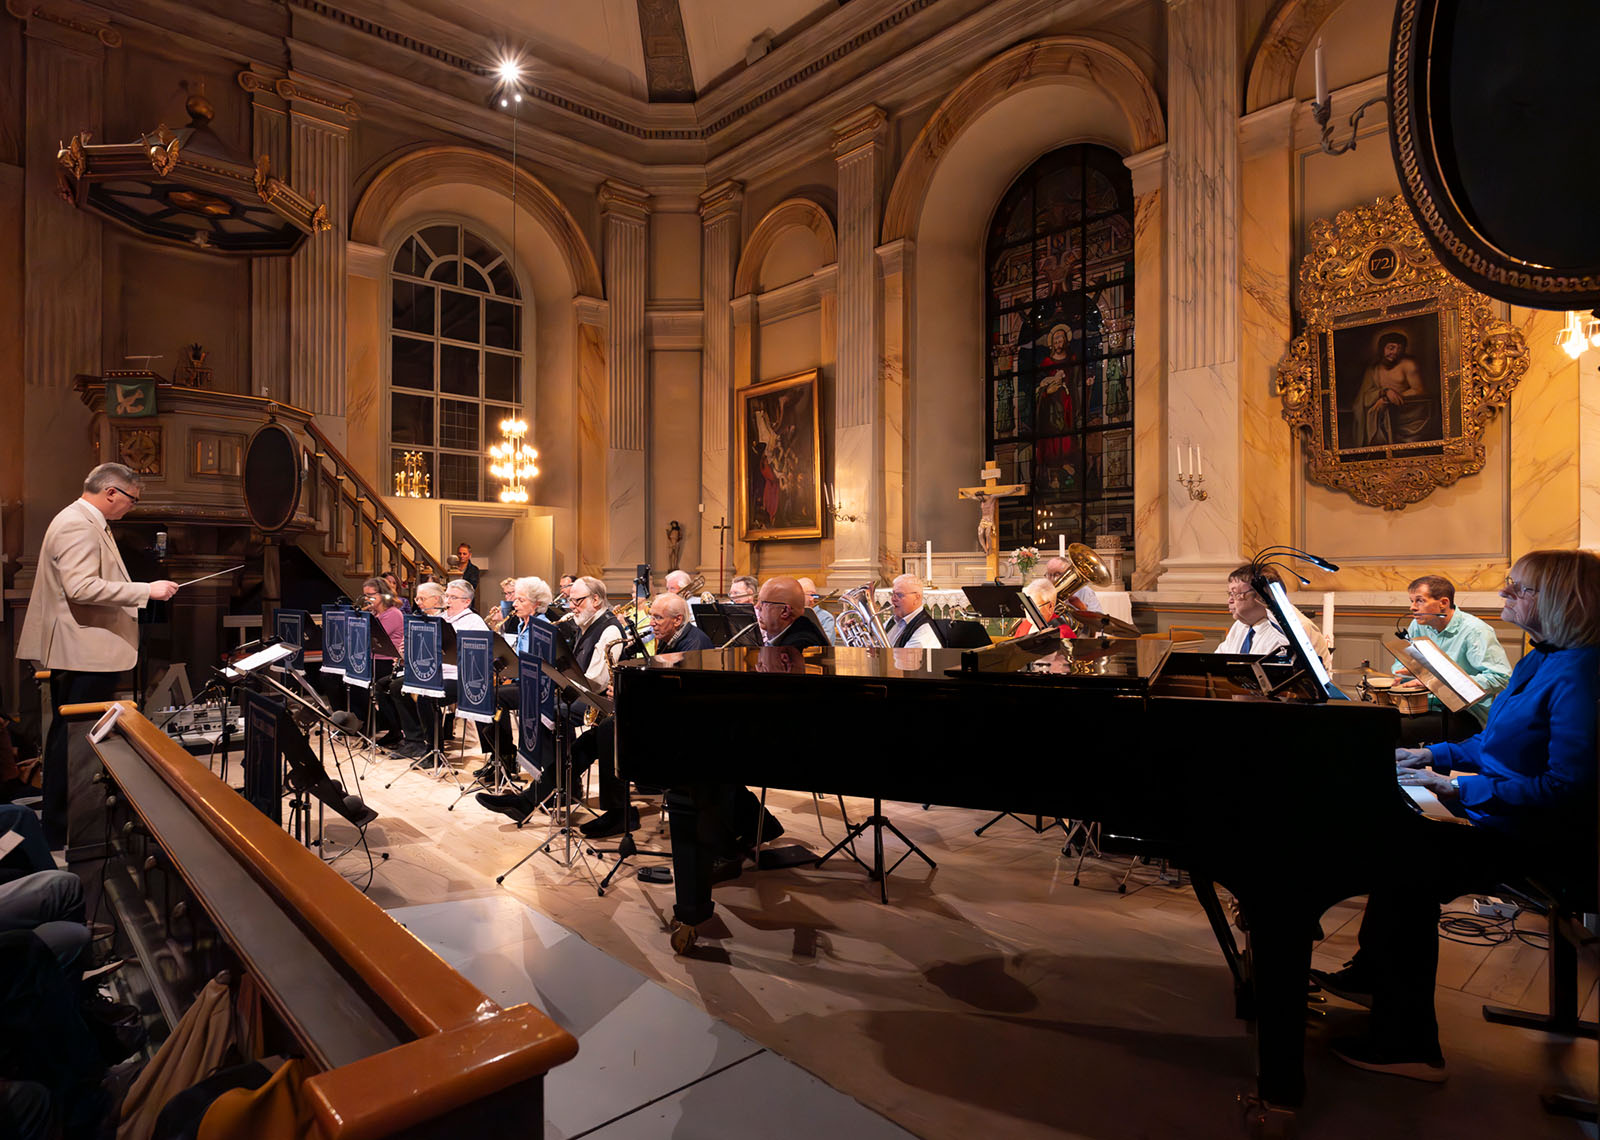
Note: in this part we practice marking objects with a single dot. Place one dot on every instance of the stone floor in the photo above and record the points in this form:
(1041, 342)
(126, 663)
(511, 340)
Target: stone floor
(991, 997)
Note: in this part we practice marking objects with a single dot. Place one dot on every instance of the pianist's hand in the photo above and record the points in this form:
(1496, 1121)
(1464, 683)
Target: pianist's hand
(1427, 778)
(1405, 758)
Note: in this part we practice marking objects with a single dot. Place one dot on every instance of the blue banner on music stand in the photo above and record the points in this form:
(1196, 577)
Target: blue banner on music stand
(358, 649)
(530, 679)
(263, 773)
(424, 669)
(542, 645)
(289, 627)
(475, 675)
(333, 639)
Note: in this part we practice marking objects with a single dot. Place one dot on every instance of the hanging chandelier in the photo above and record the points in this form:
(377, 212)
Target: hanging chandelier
(412, 481)
(513, 462)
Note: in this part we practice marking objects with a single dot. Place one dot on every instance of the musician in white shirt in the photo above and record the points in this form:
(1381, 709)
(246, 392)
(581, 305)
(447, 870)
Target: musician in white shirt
(912, 627)
(1253, 630)
(1083, 599)
(459, 613)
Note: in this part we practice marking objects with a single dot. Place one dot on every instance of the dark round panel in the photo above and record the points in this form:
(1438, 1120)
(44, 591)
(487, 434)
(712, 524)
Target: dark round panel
(272, 477)
(1490, 137)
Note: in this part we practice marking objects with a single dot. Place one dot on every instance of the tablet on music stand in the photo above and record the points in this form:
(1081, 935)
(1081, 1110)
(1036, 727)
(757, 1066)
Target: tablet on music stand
(1434, 668)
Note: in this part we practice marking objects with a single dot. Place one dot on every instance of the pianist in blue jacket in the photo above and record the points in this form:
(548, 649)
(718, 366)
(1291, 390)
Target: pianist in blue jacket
(1526, 783)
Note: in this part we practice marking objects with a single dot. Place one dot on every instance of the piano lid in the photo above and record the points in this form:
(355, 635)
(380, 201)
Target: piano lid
(1121, 663)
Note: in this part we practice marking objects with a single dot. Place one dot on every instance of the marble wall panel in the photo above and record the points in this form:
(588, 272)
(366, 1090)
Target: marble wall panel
(1151, 463)
(1546, 440)
(1589, 450)
(364, 411)
(675, 457)
(1267, 461)
(592, 407)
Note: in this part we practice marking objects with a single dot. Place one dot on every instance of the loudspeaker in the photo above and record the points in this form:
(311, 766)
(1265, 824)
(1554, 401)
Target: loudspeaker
(272, 476)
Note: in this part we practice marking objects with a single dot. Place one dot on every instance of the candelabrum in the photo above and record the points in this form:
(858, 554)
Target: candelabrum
(1323, 112)
(1195, 484)
(513, 462)
(412, 481)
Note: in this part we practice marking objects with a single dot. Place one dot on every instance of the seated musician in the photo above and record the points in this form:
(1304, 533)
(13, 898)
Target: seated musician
(502, 616)
(912, 626)
(413, 743)
(675, 633)
(1466, 640)
(599, 630)
(780, 607)
(742, 590)
(459, 613)
(530, 598)
(1083, 599)
(825, 621)
(1042, 592)
(392, 581)
(564, 597)
(1526, 783)
(376, 599)
(678, 582)
(1254, 630)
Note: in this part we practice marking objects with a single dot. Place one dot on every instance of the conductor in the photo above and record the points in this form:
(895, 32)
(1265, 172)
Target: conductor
(81, 622)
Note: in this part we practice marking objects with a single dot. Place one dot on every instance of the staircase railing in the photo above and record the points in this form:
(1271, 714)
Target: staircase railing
(356, 524)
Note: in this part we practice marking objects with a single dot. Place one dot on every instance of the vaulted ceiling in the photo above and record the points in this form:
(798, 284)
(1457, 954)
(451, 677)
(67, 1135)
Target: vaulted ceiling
(663, 51)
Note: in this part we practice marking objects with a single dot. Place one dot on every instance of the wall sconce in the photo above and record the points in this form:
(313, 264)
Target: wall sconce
(513, 462)
(412, 481)
(835, 508)
(1192, 475)
(1579, 334)
(1322, 111)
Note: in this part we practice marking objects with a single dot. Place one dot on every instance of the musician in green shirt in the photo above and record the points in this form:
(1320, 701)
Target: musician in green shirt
(1468, 641)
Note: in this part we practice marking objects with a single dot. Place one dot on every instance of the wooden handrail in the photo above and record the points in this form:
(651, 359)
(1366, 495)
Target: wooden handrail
(467, 1046)
(345, 469)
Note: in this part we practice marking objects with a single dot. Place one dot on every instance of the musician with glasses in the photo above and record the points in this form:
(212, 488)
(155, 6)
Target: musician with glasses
(675, 633)
(1255, 631)
(82, 619)
(1083, 600)
(912, 626)
(742, 590)
(1042, 593)
(779, 607)
(413, 741)
(825, 621)
(1526, 783)
(1469, 642)
(530, 597)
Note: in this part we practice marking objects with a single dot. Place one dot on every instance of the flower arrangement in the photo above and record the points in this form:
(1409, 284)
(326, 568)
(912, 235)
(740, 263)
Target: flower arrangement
(1025, 558)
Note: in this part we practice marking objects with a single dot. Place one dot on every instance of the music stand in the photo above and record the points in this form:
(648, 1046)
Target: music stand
(434, 757)
(571, 687)
(1432, 666)
(497, 780)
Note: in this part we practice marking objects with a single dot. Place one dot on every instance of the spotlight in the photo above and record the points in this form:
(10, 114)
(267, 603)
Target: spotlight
(510, 71)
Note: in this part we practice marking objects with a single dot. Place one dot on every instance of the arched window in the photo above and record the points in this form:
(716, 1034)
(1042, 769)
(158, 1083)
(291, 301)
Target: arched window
(455, 357)
(1059, 375)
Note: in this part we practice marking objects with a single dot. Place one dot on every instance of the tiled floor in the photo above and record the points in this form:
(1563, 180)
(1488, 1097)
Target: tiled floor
(990, 998)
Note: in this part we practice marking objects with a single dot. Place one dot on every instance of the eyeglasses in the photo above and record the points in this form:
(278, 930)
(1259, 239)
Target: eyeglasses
(770, 602)
(124, 494)
(1240, 595)
(1515, 587)
(578, 597)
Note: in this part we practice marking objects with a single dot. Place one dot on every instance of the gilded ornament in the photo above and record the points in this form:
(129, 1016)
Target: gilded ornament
(1400, 366)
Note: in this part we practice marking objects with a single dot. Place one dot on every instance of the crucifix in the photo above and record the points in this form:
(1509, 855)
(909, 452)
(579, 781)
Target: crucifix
(988, 497)
(722, 549)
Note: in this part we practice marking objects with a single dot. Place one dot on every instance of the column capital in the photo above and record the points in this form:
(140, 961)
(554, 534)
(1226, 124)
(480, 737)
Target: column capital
(724, 199)
(1149, 169)
(37, 17)
(623, 201)
(591, 311)
(896, 256)
(865, 129)
(314, 98)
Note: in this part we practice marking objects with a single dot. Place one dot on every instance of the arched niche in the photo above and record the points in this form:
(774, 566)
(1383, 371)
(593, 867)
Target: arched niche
(1025, 103)
(553, 264)
(775, 232)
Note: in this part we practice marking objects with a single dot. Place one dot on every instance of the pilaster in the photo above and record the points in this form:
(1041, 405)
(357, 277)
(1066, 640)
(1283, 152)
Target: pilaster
(859, 442)
(721, 211)
(269, 276)
(592, 319)
(624, 220)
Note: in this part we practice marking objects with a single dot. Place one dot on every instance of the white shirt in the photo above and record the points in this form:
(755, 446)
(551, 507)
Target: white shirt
(1269, 639)
(926, 637)
(466, 619)
(96, 513)
(1090, 599)
(598, 671)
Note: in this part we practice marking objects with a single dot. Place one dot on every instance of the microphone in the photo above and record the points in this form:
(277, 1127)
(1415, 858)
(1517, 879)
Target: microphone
(161, 545)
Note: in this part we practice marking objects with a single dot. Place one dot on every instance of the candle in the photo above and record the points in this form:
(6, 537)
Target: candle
(1199, 462)
(1061, 539)
(929, 574)
(1179, 450)
(1327, 617)
(1322, 77)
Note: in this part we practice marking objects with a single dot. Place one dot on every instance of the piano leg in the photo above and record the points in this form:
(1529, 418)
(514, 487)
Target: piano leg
(1280, 962)
(1206, 891)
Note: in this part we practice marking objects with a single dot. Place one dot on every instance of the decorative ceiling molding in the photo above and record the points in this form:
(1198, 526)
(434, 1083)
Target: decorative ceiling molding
(668, 76)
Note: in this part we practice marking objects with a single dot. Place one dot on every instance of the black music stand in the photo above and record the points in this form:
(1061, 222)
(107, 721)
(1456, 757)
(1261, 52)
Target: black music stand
(571, 689)
(498, 780)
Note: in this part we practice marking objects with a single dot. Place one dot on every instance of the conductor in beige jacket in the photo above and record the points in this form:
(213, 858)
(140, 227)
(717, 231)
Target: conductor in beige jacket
(82, 623)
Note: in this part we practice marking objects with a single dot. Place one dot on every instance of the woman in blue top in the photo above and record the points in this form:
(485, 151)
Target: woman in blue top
(1526, 782)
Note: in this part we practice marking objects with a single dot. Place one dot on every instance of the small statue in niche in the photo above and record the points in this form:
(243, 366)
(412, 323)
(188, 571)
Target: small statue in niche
(674, 544)
(194, 373)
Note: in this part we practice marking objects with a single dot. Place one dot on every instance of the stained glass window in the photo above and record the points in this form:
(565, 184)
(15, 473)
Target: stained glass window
(1059, 319)
(455, 357)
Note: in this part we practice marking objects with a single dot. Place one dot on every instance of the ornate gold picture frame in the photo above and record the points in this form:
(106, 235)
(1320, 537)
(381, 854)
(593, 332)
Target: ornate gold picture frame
(780, 459)
(1400, 365)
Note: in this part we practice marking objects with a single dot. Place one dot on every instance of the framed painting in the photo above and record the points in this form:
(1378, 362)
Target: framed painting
(1400, 366)
(780, 459)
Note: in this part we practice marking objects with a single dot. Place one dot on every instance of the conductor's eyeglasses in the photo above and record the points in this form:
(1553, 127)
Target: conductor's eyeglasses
(124, 494)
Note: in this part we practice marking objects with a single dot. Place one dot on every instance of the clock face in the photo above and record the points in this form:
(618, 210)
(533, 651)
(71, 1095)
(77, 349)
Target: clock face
(140, 449)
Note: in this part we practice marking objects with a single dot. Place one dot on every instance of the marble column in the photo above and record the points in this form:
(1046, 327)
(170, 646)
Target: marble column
(593, 319)
(742, 310)
(858, 397)
(897, 263)
(624, 219)
(1152, 461)
(269, 276)
(1202, 286)
(721, 211)
(62, 262)
(319, 168)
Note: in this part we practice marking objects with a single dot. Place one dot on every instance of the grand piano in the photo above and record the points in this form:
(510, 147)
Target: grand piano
(1290, 804)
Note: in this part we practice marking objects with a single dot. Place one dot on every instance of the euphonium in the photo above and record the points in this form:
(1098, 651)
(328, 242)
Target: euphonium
(858, 620)
(1084, 568)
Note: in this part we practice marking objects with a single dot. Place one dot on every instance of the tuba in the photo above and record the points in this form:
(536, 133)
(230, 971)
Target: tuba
(1084, 569)
(858, 620)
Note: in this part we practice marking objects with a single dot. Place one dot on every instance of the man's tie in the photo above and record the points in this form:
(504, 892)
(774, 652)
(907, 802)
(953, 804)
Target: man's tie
(1249, 636)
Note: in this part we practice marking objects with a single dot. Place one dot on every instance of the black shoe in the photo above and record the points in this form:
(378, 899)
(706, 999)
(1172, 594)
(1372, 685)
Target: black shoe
(484, 773)
(1353, 983)
(1425, 1064)
(388, 739)
(95, 1006)
(513, 806)
(410, 749)
(727, 868)
(611, 823)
